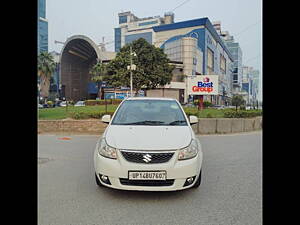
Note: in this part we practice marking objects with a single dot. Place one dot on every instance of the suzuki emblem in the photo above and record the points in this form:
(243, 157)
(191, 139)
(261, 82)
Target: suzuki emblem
(147, 158)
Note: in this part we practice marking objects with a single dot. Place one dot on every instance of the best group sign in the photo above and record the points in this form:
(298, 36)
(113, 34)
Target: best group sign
(203, 85)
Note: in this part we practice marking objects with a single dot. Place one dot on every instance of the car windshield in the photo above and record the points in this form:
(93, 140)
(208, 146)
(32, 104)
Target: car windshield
(150, 113)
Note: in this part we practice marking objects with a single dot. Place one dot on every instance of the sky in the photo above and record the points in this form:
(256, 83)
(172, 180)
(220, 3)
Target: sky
(98, 18)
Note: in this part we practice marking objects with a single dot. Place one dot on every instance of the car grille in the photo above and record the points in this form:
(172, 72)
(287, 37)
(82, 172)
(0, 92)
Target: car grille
(138, 157)
(168, 182)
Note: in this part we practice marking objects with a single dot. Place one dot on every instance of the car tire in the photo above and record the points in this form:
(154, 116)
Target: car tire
(98, 181)
(198, 182)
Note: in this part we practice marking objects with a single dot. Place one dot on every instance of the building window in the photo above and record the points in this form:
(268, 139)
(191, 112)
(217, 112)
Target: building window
(148, 23)
(235, 77)
(194, 61)
(122, 19)
(210, 61)
(222, 64)
(117, 39)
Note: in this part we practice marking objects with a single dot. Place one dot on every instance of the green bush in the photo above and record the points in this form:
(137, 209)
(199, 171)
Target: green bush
(191, 111)
(103, 102)
(205, 103)
(87, 115)
(208, 115)
(242, 113)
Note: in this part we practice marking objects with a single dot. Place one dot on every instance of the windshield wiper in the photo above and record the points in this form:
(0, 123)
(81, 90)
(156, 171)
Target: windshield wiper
(177, 122)
(145, 122)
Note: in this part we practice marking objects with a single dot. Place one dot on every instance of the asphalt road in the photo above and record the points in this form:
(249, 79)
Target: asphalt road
(230, 192)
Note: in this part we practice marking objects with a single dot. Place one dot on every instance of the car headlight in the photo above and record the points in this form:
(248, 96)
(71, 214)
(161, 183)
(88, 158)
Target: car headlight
(105, 150)
(189, 152)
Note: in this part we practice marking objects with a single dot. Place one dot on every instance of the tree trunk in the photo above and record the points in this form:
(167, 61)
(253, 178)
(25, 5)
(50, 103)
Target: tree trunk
(45, 84)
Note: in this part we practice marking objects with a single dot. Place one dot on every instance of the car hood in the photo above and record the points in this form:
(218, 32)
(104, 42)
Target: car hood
(148, 137)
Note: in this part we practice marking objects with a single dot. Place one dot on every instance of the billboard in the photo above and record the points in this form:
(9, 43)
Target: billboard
(203, 85)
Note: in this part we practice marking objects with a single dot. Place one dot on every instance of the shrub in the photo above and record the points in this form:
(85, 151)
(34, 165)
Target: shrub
(205, 103)
(242, 113)
(191, 111)
(208, 115)
(87, 115)
(102, 102)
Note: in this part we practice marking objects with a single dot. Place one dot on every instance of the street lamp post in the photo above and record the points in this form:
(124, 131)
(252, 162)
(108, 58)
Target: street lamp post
(131, 67)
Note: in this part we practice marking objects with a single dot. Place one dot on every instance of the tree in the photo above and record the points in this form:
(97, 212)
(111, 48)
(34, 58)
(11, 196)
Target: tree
(46, 67)
(152, 67)
(98, 72)
(237, 100)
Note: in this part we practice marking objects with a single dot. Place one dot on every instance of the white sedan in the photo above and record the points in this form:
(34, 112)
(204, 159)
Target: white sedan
(148, 145)
(80, 103)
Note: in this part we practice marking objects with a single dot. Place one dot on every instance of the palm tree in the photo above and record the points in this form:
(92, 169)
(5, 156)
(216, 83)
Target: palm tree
(46, 67)
(98, 72)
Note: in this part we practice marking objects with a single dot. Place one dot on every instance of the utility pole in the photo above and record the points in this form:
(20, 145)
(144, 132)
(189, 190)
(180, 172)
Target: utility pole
(131, 67)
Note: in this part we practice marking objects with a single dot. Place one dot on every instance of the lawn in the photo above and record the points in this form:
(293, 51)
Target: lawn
(63, 112)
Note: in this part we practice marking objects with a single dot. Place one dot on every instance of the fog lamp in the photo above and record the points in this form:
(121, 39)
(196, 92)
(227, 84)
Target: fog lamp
(189, 181)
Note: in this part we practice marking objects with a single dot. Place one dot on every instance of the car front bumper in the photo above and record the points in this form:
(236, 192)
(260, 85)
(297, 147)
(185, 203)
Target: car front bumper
(117, 170)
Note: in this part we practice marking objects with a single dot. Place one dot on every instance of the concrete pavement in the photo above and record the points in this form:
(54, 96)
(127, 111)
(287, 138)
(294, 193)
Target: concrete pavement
(230, 193)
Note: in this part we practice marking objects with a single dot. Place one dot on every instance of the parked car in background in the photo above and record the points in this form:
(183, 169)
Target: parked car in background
(57, 103)
(218, 107)
(148, 145)
(80, 103)
(190, 104)
(40, 106)
(63, 104)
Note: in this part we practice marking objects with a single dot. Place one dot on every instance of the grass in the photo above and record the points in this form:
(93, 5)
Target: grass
(59, 113)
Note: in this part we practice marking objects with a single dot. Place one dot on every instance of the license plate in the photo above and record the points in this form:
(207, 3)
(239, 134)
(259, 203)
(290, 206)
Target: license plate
(147, 175)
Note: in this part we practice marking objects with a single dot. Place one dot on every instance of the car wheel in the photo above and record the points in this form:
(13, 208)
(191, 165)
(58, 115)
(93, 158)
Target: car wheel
(198, 182)
(98, 181)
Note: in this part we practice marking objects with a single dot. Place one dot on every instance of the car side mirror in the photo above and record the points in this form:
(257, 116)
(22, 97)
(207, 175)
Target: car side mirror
(193, 120)
(105, 119)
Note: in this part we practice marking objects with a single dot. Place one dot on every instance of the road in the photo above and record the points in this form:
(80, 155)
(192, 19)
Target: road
(230, 192)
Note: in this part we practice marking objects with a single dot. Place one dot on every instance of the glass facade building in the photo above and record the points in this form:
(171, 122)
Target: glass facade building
(237, 55)
(42, 27)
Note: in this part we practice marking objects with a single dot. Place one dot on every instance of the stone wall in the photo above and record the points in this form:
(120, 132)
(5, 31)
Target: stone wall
(71, 126)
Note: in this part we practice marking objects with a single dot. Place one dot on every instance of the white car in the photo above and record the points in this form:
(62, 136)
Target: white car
(63, 104)
(148, 145)
(80, 103)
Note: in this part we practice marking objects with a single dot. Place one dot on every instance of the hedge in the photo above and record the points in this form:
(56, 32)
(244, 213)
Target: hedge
(87, 115)
(103, 102)
(242, 113)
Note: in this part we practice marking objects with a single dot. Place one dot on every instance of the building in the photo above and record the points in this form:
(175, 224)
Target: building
(257, 83)
(194, 43)
(132, 28)
(77, 57)
(247, 85)
(237, 65)
(250, 85)
(236, 51)
(42, 27)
